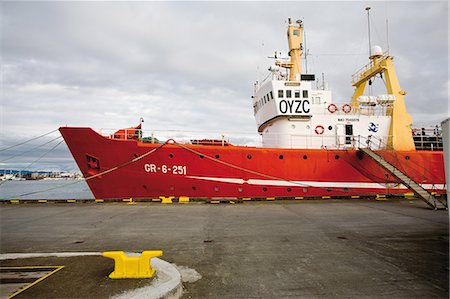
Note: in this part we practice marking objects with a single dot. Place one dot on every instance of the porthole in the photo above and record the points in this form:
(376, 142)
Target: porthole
(305, 157)
(407, 157)
(281, 157)
(330, 128)
(217, 156)
(135, 155)
(171, 155)
(360, 155)
(264, 189)
(305, 190)
(288, 189)
(201, 156)
(337, 157)
(240, 189)
(249, 157)
(194, 188)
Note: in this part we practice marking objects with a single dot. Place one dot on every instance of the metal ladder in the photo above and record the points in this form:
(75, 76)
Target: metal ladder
(423, 194)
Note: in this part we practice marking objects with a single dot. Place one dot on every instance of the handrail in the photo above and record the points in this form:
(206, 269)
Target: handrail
(358, 74)
(393, 153)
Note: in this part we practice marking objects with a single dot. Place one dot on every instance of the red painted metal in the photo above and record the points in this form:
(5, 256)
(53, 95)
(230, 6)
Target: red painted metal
(240, 171)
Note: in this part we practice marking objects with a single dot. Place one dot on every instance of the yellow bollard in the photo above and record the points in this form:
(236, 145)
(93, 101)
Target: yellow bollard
(132, 266)
(381, 197)
(183, 199)
(166, 199)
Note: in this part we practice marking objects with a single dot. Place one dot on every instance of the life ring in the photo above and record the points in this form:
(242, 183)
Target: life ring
(319, 130)
(347, 108)
(332, 108)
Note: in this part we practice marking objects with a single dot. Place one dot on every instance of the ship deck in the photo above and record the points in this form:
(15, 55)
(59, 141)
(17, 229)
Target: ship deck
(284, 249)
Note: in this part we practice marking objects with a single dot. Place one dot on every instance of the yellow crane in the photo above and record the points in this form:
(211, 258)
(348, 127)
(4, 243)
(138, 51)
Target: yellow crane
(400, 134)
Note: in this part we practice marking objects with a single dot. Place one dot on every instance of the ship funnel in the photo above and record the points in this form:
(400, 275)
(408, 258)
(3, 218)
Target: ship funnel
(376, 52)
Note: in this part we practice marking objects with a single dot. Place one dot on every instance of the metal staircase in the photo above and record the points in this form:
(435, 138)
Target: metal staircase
(423, 194)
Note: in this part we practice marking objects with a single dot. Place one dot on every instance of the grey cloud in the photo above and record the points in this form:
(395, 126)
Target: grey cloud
(191, 65)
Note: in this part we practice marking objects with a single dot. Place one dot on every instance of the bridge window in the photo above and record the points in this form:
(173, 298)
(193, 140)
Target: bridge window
(280, 93)
(288, 93)
(297, 93)
(305, 93)
(271, 95)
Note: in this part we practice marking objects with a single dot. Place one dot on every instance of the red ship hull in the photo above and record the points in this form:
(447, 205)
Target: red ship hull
(129, 168)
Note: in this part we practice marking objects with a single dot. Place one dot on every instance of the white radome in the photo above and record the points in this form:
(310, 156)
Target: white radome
(376, 51)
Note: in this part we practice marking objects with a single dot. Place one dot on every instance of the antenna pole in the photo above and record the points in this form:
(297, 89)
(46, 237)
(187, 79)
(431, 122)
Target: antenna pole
(368, 26)
(306, 53)
(387, 35)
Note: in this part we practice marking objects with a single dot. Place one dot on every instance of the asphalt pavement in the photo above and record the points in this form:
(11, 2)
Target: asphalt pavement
(282, 249)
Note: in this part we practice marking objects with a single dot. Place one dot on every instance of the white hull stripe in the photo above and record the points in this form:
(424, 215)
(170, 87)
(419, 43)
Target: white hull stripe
(310, 183)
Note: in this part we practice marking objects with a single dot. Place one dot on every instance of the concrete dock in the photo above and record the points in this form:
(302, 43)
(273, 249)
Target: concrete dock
(284, 249)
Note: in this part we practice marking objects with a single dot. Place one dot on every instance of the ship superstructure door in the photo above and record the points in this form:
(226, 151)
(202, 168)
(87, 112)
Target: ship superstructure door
(340, 134)
(348, 134)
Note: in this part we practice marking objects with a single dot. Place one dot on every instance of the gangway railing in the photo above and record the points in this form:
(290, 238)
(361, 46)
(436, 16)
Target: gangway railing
(382, 143)
(411, 184)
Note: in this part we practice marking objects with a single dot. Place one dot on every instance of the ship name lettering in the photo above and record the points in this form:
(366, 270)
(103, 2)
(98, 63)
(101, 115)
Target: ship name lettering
(294, 106)
(150, 167)
(174, 169)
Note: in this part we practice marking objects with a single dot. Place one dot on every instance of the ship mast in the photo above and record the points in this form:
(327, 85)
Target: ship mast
(295, 42)
(400, 134)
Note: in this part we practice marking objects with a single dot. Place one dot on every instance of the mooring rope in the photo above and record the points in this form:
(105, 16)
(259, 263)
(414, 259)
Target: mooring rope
(32, 149)
(126, 163)
(267, 175)
(343, 189)
(29, 165)
(91, 177)
(29, 140)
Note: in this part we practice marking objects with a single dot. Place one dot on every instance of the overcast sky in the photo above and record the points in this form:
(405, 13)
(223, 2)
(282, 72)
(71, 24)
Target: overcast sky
(191, 65)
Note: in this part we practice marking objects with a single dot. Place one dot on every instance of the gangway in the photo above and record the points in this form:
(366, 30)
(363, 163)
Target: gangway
(421, 192)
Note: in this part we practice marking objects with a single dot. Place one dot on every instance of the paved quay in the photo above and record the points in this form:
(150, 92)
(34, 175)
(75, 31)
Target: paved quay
(282, 249)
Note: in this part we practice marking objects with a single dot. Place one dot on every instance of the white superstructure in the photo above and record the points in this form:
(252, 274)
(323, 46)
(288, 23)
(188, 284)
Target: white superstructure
(291, 114)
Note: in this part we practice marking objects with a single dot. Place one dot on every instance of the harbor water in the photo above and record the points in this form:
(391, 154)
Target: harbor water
(45, 189)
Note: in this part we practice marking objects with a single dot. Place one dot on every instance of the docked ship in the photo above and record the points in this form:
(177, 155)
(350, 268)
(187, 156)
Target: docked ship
(310, 145)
